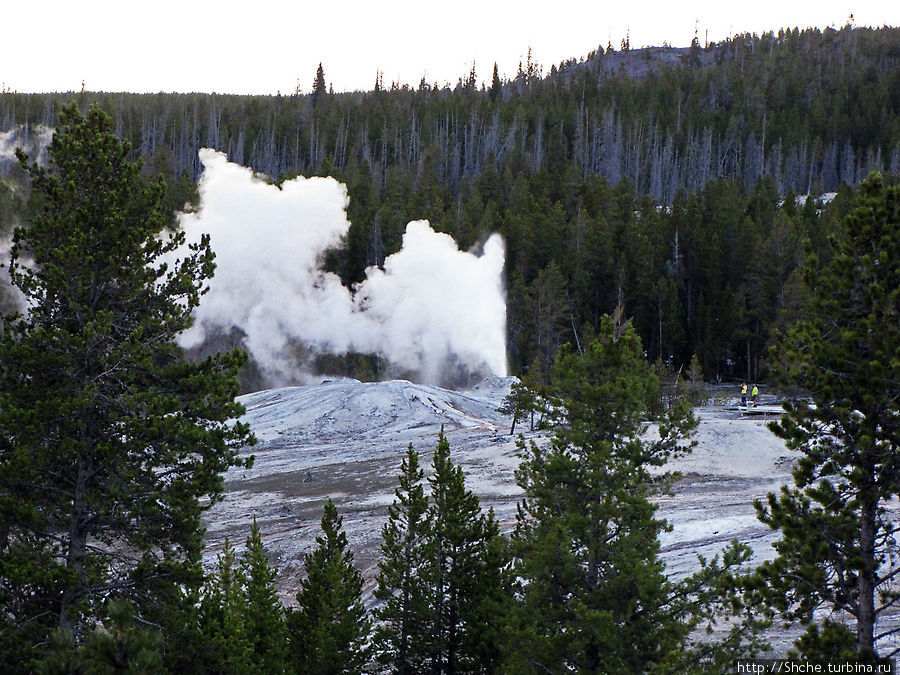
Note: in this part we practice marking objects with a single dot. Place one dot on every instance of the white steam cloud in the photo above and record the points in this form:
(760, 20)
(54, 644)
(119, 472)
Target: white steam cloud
(431, 306)
(33, 141)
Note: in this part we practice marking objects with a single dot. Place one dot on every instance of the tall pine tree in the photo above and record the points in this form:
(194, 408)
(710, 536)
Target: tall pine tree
(464, 573)
(226, 645)
(594, 596)
(264, 620)
(328, 632)
(443, 578)
(319, 90)
(838, 548)
(111, 444)
(403, 615)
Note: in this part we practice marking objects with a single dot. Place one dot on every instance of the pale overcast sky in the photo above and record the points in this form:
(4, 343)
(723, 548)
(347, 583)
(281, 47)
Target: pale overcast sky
(267, 47)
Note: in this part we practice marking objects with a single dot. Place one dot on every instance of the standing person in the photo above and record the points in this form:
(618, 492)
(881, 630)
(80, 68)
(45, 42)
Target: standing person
(744, 394)
(754, 394)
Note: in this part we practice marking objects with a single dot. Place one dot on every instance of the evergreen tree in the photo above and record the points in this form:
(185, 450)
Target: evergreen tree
(697, 393)
(264, 621)
(60, 657)
(838, 548)
(328, 632)
(464, 574)
(111, 444)
(520, 402)
(227, 647)
(443, 578)
(120, 646)
(551, 315)
(525, 397)
(594, 595)
(403, 616)
(319, 90)
(496, 84)
(116, 646)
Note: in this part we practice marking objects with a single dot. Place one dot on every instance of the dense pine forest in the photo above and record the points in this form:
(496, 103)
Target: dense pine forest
(658, 179)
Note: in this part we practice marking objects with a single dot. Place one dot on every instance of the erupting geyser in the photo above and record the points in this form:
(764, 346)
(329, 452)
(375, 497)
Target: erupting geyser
(431, 305)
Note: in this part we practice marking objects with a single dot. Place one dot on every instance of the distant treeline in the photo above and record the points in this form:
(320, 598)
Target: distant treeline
(648, 178)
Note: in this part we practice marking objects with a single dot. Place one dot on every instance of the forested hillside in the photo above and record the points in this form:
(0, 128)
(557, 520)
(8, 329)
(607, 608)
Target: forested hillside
(660, 179)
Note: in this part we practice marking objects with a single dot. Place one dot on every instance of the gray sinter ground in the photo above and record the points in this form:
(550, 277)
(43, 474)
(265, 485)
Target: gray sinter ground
(345, 440)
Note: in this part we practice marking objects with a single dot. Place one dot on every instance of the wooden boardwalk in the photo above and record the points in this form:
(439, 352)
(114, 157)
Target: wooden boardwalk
(764, 411)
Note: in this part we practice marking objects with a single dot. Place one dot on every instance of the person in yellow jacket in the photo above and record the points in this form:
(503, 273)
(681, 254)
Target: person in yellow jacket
(754, 395)
(744, 394)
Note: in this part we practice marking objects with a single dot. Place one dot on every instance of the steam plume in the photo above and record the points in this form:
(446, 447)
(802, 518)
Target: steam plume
(431, 305)
(33, 140)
